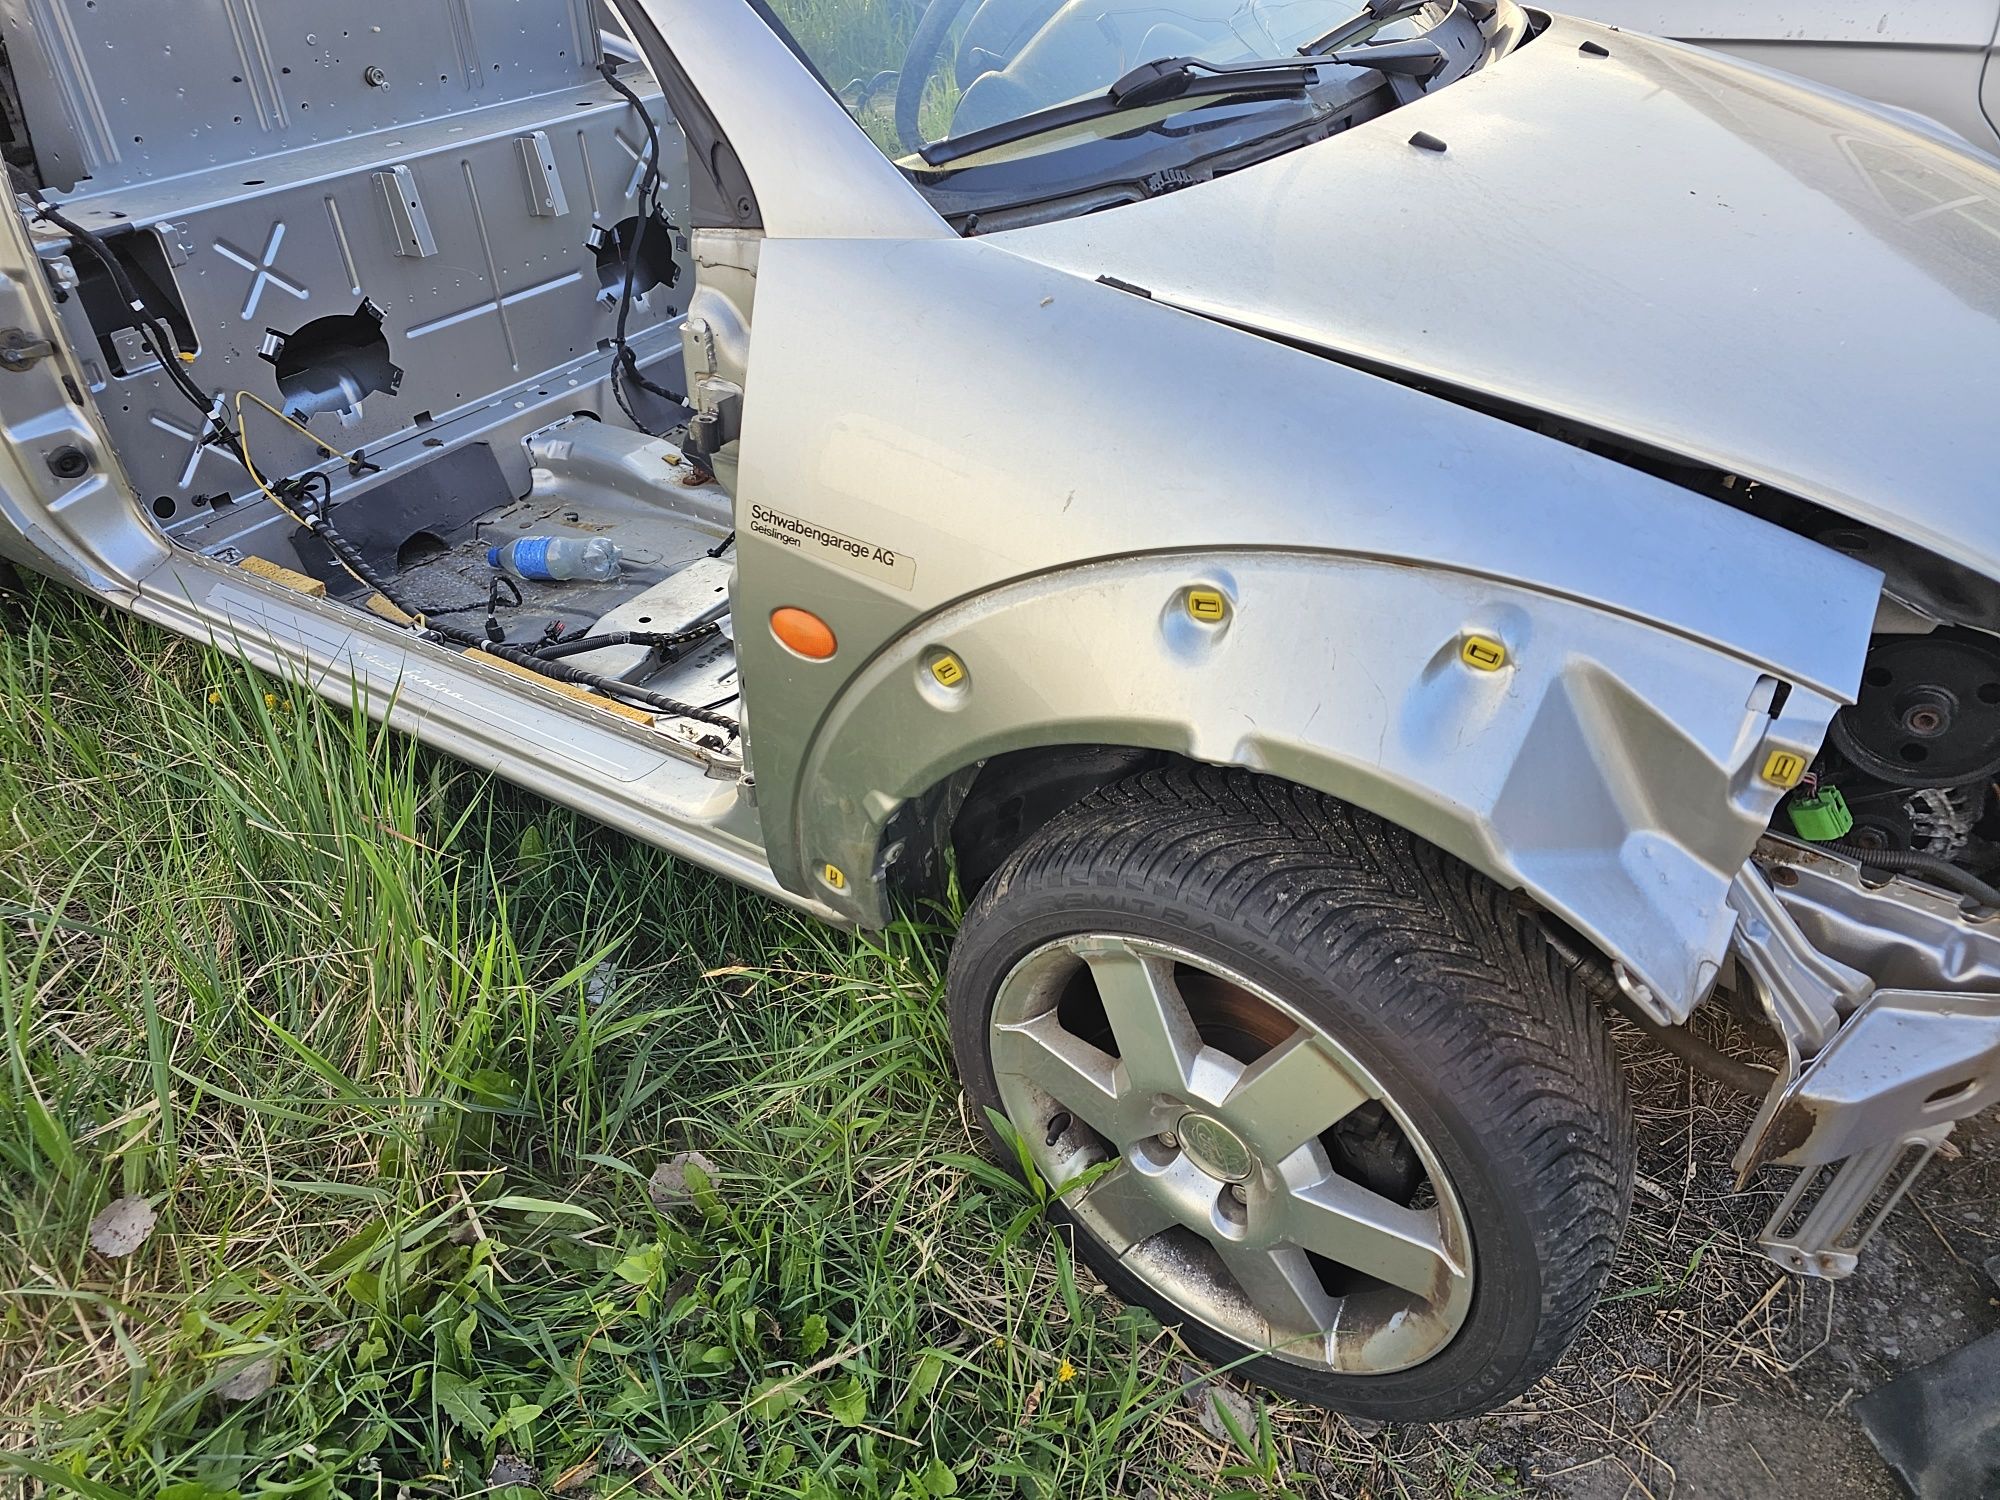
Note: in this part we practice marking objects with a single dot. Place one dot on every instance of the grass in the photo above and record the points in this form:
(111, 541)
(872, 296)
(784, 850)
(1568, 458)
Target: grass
(393, 1051)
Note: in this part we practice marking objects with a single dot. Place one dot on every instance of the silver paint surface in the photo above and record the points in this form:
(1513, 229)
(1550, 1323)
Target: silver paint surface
(1657, 244)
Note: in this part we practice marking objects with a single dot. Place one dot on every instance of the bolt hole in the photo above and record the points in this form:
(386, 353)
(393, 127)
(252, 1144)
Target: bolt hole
(1914, 754)
(1989, 692)
(1877, 677)
(1954, 1092)
(164, 507)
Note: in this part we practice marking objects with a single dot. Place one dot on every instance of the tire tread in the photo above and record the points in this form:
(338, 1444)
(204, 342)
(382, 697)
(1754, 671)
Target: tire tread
(1451, 965)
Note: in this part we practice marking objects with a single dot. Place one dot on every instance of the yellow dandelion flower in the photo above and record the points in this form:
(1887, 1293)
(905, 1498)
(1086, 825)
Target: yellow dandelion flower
(1065, 1373)
(215, 695)
(999, 1341)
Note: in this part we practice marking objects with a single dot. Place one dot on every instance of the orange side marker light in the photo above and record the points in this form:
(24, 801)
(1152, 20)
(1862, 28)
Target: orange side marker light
(804, 633)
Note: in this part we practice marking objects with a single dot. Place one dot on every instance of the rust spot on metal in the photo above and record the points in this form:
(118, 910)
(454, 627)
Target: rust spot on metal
(1791, 1127)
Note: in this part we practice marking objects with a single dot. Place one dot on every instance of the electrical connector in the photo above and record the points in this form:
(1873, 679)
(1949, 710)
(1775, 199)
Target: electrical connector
(1822, 817)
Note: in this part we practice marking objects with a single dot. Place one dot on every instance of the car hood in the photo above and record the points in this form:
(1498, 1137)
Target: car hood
(1657, 244)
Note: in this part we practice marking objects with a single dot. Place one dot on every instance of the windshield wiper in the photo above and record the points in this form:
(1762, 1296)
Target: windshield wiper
(1158, 82)
(1374, 13)
(1167, 79)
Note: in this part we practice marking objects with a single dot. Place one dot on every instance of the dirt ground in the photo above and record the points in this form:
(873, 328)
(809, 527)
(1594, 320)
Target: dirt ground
(1708, 1374)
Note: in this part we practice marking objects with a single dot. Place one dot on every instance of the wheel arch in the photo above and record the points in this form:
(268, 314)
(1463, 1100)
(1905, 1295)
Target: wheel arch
(1607, 768)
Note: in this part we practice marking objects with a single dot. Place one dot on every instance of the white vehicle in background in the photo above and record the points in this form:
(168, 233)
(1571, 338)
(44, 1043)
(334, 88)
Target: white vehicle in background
(1932, 57)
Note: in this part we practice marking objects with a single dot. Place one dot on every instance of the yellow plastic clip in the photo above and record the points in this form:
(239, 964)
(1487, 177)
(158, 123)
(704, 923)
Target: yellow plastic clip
(1207, 605)
(834, 877)
(1482, 653)
(948, 670)
(1783, 768)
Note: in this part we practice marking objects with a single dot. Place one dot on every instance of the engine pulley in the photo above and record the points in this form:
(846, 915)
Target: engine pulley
(1928, 714)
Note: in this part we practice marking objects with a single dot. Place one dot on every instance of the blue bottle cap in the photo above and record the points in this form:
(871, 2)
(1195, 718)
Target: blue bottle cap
(492, 557)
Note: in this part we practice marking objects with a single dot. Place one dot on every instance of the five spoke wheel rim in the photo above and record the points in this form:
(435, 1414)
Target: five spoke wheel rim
(1214, 1114)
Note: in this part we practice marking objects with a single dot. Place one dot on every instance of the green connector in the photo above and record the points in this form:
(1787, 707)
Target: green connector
(1821, 817)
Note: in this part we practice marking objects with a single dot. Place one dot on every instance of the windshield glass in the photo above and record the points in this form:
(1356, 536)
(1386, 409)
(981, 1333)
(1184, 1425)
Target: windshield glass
(918, 72)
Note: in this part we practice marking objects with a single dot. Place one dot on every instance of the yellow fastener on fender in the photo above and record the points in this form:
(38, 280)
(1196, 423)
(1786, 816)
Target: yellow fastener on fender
(1482, 653)
(948, 670)
(1784, 768)
(1206, 605)
(832, 876)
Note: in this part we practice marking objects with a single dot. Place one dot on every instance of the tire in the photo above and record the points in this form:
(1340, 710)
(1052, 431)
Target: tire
(1261, 906)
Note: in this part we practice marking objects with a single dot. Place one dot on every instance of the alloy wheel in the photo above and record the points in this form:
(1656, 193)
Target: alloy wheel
(1260, 1178)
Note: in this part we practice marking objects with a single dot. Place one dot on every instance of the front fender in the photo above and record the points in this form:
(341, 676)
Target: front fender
(1609, 769)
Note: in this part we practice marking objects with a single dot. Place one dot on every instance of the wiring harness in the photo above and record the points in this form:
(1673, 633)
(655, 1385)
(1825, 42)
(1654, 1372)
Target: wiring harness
(306, 498)
(624, 363)
(310, 513)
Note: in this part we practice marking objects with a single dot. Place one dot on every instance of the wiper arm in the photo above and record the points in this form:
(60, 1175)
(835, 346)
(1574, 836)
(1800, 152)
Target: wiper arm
(1374, 13)
(1167, 79)
(1159, 82)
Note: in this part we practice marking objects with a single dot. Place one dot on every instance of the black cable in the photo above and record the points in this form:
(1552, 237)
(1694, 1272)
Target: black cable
(1601, 984)
(577, 645)
(159, 340)
(624, 363)
(154, 333)
(1910, 862)
(519, 656)
(492, 602)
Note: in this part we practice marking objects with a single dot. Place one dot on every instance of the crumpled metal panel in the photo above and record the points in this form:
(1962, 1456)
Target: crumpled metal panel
(1548, 773)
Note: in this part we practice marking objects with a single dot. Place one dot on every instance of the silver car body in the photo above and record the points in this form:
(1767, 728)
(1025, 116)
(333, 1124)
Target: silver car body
(1313, 388)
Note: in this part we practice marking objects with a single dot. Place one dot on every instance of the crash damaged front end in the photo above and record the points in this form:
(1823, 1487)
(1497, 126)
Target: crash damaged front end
(1885, 992)
(1864, 926)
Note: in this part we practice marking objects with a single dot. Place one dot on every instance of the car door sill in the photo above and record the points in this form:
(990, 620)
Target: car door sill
(629, 777)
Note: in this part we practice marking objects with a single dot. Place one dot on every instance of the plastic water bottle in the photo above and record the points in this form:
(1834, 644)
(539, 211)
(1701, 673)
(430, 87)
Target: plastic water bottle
(547, 558)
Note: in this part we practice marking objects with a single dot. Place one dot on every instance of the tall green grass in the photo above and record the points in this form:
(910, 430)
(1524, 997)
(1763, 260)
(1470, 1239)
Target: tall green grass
(392, 1050)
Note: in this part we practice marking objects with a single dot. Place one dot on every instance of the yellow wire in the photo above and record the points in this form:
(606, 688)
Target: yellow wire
(299, 427)
(243, 441)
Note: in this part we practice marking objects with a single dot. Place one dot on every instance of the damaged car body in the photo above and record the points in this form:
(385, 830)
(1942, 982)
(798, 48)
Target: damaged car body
(1351, 532)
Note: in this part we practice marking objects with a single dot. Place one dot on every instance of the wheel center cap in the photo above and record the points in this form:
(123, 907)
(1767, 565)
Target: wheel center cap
(1215, 1148)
